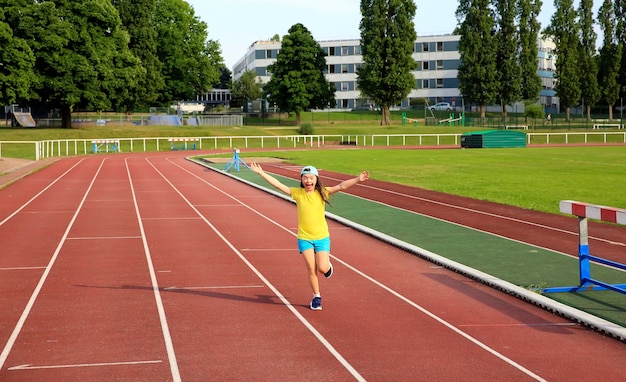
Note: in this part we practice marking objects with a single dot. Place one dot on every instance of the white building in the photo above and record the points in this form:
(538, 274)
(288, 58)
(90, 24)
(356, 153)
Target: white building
(436, 79)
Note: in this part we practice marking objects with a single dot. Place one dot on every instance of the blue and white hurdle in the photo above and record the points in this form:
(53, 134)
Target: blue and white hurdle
(584, 211)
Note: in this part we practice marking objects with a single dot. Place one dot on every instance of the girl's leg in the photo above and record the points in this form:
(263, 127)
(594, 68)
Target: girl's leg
(309, 257)
(322, 259)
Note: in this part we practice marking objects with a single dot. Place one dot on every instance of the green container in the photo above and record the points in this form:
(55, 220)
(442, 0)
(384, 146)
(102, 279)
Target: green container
(493, 139)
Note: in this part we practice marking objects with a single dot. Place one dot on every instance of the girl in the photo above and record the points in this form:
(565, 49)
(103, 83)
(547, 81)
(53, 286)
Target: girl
(313, 235)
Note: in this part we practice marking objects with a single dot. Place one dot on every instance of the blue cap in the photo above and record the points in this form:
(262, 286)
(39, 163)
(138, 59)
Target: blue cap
(309, 170)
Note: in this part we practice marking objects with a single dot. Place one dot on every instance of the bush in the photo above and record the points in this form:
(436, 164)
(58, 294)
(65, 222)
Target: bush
(306, 129)
(533, 110)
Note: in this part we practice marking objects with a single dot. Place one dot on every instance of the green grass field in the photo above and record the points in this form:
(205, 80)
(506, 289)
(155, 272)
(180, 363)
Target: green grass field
(534, 178)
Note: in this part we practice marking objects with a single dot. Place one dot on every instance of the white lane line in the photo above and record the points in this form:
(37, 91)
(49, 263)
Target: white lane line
(215, 287)
(265, 281)
(33, 367)
(39, 193)
(44, 276)
(400, 296)
(169, 346)
(103, 237)
(21, 268)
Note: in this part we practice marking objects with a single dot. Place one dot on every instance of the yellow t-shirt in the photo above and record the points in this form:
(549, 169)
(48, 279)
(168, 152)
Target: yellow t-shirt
(311, 220)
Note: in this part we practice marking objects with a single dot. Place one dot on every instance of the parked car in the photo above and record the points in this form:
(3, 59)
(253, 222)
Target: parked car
(441, 106)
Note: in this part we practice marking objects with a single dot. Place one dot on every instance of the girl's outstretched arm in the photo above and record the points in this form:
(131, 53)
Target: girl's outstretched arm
(270, 179)
(362, 177)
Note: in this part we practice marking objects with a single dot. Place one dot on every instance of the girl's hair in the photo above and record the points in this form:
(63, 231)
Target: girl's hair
(320, 188)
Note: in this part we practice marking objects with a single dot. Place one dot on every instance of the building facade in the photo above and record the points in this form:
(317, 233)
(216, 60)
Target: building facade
(437, 59)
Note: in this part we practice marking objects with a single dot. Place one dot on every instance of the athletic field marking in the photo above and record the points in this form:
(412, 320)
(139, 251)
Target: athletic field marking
(276, 292)
(185, 218)
(169, 346)
(372, 280)
(515, 325)
(215, 287)
(267, 249)
(465, 209)
(29, 306)
(39, 194)
(103, 237)
(31, 367)
(21, 268)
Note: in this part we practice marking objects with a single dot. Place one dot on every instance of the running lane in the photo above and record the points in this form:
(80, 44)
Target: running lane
(170, 271)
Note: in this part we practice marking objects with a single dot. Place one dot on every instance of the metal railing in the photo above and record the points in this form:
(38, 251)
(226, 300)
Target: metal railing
(71, 147)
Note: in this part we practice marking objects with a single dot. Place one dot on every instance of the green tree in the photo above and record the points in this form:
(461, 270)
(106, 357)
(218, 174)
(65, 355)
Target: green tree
(136, 16)
(611, 54)
(190, 60)
(298, 80)
(245, 88)
(564, 30)
(81, 52)
(590, 90)
(529, 29)
(507, 40)
(387, 43)
(225, 77)
(477, 73)
(17, 63)
(620, 34)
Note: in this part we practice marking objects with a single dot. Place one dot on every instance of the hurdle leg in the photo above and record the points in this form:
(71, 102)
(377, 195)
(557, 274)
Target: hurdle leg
(583, 251)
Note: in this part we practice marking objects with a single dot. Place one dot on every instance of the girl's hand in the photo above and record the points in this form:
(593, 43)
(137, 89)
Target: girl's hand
(363, 176)
(256, 167)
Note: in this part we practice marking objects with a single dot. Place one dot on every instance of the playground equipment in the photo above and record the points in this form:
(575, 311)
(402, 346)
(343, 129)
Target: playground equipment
(451, 120)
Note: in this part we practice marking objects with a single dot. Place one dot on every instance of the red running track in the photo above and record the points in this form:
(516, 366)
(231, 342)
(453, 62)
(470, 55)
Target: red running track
(151, 268)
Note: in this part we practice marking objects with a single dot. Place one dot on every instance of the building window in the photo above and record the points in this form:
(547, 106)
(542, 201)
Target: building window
(345, 86)
(331, 69)
(344, 68)
(439, 64)
(425, 65)
(331, 51)
(439, 82)
(439, 46)
(424, 47)
(345, 51)
(425, 84)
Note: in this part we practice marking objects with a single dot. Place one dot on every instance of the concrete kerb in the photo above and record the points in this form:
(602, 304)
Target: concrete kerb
(573, 314)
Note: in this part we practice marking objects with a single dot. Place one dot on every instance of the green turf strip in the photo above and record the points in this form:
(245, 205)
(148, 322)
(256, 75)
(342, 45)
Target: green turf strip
(520, 264)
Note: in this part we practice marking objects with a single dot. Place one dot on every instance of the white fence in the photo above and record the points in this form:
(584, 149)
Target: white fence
(70, 147)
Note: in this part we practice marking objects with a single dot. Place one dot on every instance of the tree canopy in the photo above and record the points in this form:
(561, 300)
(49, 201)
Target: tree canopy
(298, 81)
(387, 43)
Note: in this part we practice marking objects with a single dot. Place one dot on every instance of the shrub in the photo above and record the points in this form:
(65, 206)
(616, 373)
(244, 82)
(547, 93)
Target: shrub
(306, 129)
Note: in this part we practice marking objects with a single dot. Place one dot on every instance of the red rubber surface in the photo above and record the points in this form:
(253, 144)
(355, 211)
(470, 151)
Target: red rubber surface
(151, 268)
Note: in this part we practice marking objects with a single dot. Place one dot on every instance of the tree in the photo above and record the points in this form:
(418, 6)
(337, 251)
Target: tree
(590, 91)
(136, 16)
(564, 30)
(298, 80)
(245, 88)
(477, 73)
(620, 33)
(190, 60)
(81, 52)
(507, 40)
(17, 63)
(387, 43)
(529, 28)
(611, 54)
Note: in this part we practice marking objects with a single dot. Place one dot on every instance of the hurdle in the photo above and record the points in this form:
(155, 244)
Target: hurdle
(584, 211)
(185, 143)
(235, 161)
(106, 145)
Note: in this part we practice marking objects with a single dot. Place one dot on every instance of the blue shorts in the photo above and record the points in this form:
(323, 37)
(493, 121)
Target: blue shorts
(317, 245)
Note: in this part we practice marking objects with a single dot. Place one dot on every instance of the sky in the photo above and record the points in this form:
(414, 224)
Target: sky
(236, 24)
